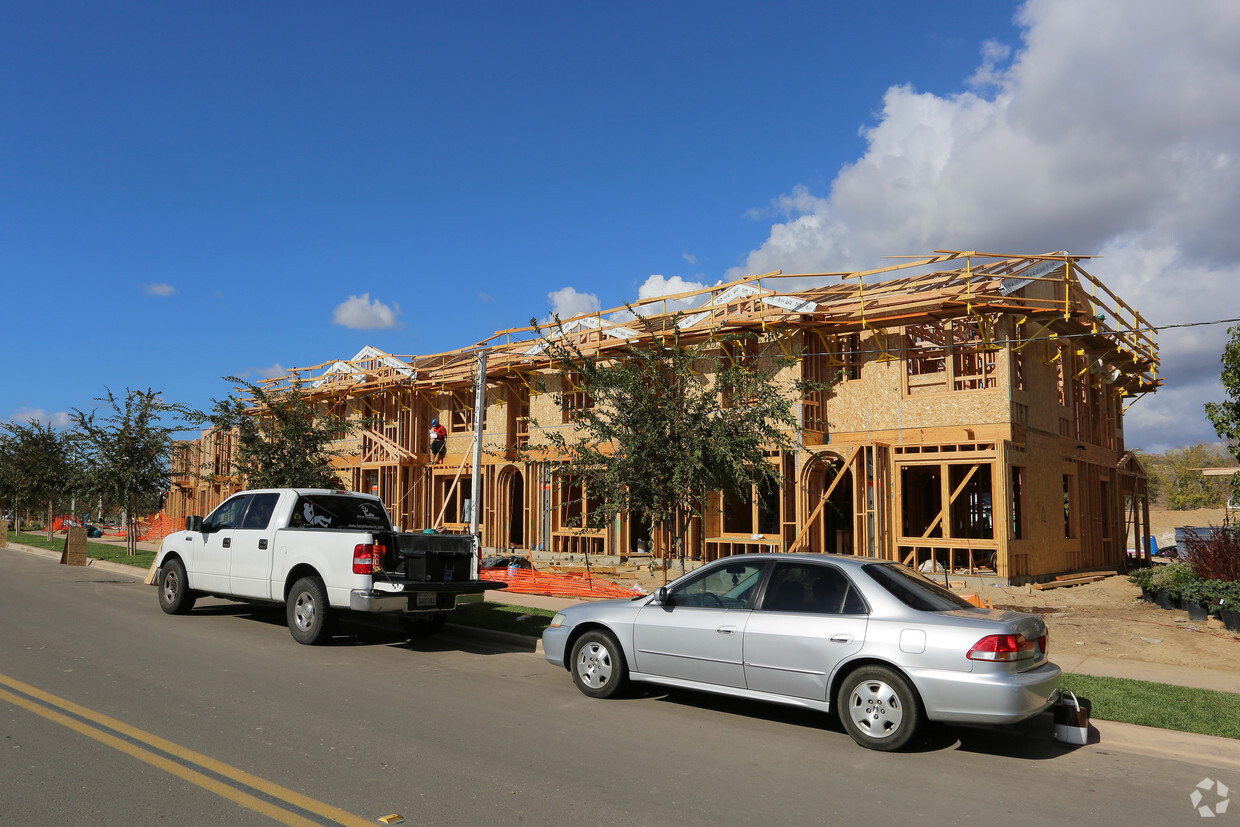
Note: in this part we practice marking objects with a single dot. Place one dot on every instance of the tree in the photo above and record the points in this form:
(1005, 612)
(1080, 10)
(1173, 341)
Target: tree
(1225, 416)
(1175, 475)
(127, 453)
(282, 442)
(662, 424)
(38, 464)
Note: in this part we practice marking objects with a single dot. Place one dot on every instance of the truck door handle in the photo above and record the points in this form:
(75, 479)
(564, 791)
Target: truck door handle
(262, 544)
(227, 542)
(726, 630)
(841, 638)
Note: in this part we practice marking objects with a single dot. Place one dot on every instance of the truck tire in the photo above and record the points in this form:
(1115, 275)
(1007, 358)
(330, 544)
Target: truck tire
(175, 595)
(308, 613)
(422, 625)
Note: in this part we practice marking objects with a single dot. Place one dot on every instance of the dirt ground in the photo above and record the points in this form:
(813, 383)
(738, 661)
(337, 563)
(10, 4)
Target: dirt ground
(1104, 619)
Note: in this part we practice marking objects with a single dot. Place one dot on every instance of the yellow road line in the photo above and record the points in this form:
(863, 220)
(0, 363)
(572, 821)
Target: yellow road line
(263, 796)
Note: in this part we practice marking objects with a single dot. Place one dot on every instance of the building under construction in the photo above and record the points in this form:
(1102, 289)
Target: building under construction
(972, 415)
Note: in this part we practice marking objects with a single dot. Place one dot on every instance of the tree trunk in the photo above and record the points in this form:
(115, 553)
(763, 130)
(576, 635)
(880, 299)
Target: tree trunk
(131, 534)
(49, 520)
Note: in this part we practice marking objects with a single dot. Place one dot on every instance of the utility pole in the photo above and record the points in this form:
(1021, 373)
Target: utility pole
(475, 480)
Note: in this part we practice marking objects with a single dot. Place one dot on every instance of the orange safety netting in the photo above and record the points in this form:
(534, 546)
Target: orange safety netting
(556, 584)
(158, 526)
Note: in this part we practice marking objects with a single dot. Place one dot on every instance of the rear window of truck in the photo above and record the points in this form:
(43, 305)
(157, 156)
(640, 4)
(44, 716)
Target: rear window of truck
(335, 511)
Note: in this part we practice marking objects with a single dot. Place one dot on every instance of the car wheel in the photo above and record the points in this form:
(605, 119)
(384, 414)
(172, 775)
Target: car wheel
(309, 615)
(175, 596)
(879, 709)
(598, 665)
(422, 625)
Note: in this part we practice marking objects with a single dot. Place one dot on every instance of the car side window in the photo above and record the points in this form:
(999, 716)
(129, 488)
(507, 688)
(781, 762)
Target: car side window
(229, 514)
(811, 588)
(258, 515)
(730, 586)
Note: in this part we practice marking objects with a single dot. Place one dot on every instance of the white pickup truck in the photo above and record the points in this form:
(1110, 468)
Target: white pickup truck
(317, 552)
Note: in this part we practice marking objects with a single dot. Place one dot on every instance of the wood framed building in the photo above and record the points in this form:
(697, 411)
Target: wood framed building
(976, 419)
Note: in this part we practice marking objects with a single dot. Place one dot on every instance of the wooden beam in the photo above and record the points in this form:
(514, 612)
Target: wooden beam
(826, 495)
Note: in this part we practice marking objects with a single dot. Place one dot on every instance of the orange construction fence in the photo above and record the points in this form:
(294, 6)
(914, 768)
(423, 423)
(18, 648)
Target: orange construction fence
(556, 584)
(158, 526)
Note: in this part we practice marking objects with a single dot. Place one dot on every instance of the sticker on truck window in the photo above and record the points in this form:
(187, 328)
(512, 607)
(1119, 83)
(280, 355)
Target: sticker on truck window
(340, 512)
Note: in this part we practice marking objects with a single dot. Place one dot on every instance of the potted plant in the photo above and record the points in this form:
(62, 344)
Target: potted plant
(1143, 578)
(1195, 598)
(1229, 612)
(1169, 581)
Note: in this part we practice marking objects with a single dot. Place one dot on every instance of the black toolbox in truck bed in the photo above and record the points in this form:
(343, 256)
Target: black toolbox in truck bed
(435, 558)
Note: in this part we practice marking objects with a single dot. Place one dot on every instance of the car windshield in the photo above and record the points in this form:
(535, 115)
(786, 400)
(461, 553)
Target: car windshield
(914, 590)
(336, 511)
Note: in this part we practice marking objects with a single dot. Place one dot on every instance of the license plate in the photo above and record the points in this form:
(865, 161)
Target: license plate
(427, 599)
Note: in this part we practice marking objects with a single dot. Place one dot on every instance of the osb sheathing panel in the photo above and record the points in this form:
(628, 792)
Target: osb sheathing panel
(876, 401)
(1042, 496)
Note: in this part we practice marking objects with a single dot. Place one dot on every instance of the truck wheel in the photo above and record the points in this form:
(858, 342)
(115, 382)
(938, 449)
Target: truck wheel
(879, 709)
(598, 666)
(309, 615)
(422, 625)
(175, 596)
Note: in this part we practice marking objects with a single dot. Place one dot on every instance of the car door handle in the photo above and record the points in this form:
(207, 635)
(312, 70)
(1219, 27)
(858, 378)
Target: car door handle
(227, 542)
(262, 544)
(841, 638)
(726, 630)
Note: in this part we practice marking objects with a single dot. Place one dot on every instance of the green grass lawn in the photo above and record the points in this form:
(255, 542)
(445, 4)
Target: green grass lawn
(101, 551)
(501, 617)
(1161, 705)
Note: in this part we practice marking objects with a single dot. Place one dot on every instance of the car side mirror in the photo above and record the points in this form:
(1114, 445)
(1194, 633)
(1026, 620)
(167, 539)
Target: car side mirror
(663, 597)
(193, 523)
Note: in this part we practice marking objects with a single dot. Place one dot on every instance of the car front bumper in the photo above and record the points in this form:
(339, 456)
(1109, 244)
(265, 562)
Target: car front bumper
(987, 698)
(555, 644)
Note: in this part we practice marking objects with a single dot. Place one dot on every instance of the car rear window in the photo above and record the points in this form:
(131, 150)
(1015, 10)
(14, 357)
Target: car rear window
(335, 511)
(913, 590)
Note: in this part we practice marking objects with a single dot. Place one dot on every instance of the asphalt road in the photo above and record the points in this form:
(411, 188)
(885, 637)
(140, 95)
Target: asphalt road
(114, 713)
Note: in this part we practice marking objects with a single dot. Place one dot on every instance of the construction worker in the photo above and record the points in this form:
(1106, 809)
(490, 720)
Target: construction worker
(438, 434)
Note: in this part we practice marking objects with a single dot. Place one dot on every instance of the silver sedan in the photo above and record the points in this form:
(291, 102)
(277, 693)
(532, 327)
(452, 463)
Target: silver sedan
(886, 647)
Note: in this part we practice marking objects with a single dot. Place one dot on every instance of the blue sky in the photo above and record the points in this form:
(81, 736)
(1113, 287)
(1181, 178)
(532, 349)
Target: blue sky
(192, 190)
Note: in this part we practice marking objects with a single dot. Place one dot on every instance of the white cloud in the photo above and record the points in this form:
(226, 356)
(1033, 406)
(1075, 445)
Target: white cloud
(363, 313)
(269, 373)
(158, 289)
(28, 416)
(1109, 131)
(692, 259)
(567, 302)
(657, 286)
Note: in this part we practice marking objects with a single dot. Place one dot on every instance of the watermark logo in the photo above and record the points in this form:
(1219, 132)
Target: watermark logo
(1219, 797)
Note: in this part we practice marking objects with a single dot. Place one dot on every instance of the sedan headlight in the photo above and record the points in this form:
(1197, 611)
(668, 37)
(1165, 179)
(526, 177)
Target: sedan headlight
(558, 620)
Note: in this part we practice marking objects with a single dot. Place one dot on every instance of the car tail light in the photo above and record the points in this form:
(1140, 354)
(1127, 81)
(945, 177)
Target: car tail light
(1003, 648)
(368, 558)
(1042, 643)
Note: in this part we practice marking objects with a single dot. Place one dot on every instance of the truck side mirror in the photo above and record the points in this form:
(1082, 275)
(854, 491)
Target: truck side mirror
(193, 523)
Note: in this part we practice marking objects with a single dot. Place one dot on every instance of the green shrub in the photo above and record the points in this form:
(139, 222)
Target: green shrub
(1143, 579)
(1174, 578)
(1221, 595)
